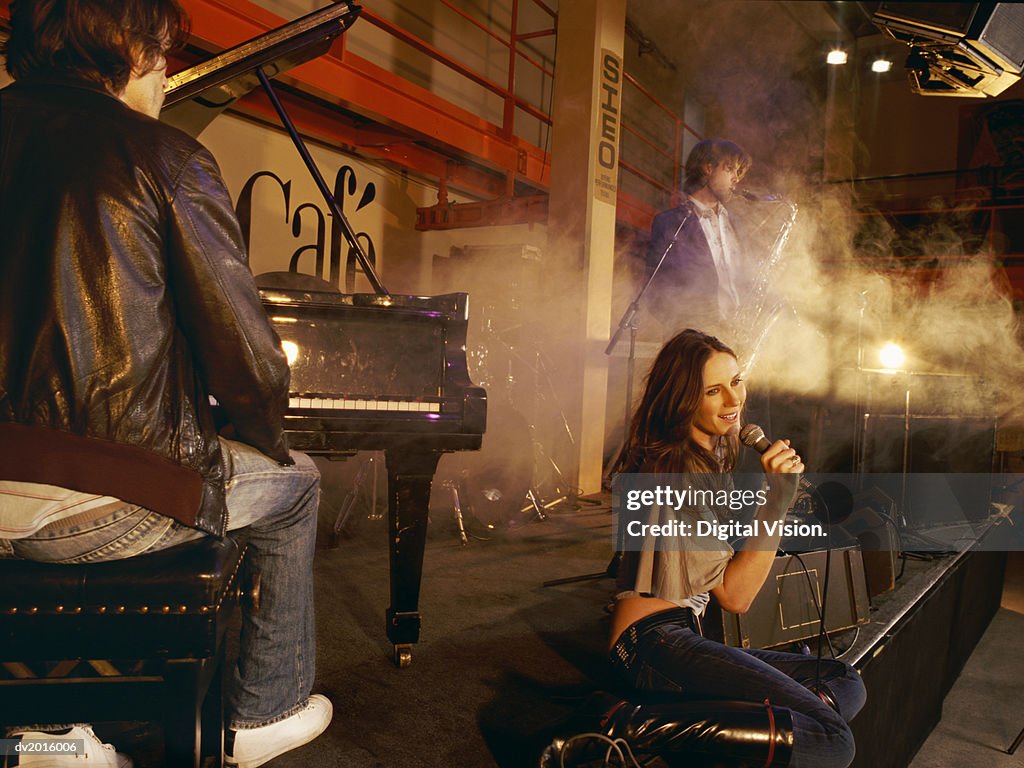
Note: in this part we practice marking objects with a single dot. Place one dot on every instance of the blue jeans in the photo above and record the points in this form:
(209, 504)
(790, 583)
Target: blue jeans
(671, 657)
(278, 505)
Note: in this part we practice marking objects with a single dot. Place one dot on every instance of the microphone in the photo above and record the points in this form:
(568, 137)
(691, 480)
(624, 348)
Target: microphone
(831, 503)
(754, 437)
(754, 197)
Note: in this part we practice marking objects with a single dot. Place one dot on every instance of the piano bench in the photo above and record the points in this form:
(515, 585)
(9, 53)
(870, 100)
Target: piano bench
(126, 640)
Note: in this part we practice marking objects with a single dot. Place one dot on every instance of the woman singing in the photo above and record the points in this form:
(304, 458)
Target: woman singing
(688, 422)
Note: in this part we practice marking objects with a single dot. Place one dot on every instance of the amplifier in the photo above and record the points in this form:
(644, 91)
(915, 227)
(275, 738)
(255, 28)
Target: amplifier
(786, 610)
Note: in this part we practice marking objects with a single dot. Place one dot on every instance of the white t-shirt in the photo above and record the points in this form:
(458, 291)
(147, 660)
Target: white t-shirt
(724, 245)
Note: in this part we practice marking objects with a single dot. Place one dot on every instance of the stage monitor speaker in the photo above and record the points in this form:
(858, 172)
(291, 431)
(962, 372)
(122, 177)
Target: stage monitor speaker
(873, 524)
(786, 610)
(958, 49)
(964, 445)
(952, 20)
(1002, 36)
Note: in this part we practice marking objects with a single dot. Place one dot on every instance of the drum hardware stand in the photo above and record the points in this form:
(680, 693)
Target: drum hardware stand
(539, 512)
(534, 497)
(342, 527)
(564, 494)
(460, 524)
(457, 489)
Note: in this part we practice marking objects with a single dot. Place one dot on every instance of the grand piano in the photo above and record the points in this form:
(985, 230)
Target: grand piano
(368, 371)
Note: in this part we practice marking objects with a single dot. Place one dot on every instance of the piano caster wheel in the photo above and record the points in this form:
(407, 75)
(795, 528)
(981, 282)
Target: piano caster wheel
(403, 656)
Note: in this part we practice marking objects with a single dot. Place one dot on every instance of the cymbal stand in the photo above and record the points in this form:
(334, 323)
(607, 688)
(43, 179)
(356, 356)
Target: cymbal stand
(534, 496)
(564, 494)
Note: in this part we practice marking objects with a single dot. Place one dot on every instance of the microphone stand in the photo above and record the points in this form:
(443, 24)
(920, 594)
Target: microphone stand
(628, 320)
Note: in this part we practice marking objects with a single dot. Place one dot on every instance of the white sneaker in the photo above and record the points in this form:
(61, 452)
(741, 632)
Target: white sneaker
(95, 754)
(255, 746)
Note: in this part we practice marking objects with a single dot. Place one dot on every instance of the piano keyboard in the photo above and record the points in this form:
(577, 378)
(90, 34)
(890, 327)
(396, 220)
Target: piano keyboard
(343, 404)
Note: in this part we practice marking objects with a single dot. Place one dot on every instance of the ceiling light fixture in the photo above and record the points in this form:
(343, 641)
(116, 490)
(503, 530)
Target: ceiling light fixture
(836, 56)
(881, 65)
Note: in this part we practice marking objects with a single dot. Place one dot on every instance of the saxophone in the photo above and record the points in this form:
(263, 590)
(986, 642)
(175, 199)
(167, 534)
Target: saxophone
(754, 319)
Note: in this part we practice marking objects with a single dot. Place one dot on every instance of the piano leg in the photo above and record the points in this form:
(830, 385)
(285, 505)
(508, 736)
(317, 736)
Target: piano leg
(409, 477)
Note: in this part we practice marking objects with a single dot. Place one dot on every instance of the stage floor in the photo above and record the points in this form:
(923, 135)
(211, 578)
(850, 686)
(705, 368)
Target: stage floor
(501, 657)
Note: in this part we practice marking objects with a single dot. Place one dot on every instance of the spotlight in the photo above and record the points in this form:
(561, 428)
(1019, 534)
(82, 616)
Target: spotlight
(892, 357)
(836, 56)
(881, 65)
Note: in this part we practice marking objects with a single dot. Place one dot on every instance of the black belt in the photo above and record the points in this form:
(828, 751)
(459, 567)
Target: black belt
(624, 650)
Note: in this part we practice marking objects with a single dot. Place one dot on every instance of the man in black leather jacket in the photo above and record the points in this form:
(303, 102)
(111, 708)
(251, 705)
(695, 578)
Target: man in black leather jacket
(126, 302)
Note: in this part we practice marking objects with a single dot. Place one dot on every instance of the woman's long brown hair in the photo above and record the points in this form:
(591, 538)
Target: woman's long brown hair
(660, 437)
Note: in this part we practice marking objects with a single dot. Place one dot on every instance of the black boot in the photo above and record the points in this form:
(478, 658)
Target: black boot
(689, 733)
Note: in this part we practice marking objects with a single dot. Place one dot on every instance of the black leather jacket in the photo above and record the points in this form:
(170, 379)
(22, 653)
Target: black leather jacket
(125, 302)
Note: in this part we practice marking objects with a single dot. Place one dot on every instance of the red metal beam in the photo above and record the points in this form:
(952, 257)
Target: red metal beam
(354, 84)
(634, 212)
(424, 47)
(374, 141)
(518, 210)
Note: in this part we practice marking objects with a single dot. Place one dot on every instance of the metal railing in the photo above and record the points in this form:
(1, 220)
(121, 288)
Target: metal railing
(657, 167)
(506, 92)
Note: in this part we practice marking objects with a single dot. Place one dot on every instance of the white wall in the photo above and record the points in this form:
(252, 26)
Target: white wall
(404, 255)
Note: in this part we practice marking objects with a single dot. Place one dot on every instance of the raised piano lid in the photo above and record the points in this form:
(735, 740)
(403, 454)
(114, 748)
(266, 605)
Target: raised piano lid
(195, 96)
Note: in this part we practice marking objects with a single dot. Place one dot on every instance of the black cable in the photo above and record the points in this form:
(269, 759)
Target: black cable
(814, 597)
(824, 600)
(848, 648)
(824, 594)
(822, 634)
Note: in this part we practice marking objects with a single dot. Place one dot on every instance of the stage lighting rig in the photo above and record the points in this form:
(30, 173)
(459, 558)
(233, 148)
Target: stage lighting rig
(892, 357)
(836, 57)
(958, 49)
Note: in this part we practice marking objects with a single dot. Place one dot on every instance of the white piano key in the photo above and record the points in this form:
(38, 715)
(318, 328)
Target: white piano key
(350, 404)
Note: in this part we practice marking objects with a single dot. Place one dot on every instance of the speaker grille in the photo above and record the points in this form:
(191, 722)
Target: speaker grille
(1003, 35)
